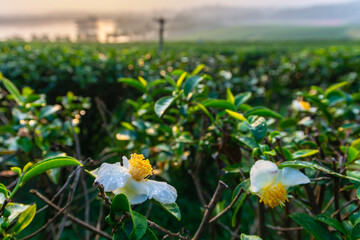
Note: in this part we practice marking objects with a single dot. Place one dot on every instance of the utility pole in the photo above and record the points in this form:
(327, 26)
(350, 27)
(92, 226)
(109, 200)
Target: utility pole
(161, 21)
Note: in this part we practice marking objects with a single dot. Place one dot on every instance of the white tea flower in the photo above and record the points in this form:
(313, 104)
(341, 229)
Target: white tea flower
(130, 180)
(271, 183)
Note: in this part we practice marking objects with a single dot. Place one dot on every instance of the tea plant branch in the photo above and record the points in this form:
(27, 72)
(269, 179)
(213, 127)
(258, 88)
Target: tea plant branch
(87, 203)
(351, 213)
(228, 208)
(6, 201)
(284, 229)
(344, 206)
(47, 223)
(209, 209)
(71, 217)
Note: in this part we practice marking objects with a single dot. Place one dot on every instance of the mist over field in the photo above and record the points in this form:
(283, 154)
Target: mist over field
(204, 20)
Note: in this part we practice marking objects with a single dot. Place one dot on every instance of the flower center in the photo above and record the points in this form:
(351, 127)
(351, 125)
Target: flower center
(139, 167)
(274, 195)
(306, 106)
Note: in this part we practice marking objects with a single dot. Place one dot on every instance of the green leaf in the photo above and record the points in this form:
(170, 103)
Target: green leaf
(245, 185)
(248, 141)
(191, 83)
(312, 165)
(156, 82)
(304, 153)
(331, 222)
(162, 104)
(170, 80)
(24, 219)
(358, 193)
(134, 83)
(149, 235)
(236, 115)
(352, 153)
(198, 69)
(4, 191)
(48, 110)
(13, 90)
(120, 203)
(316, 229)
(238, 207)
(336, 86)
(262, 111)
(258, 129)
(242, 98)
(249, 237)
(17, 170)
(173, 209)
(180, 80)
(142, 81)
(355, 232)
(139, 226)
(229, 96)
(49, 163)
(218, 103)
(205, 111)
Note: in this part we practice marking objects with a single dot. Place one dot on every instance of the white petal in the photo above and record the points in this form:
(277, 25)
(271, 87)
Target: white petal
(134, 190)
(112, 176)
(161, 191)
(125, 162)
(262, 174)
(291, 177)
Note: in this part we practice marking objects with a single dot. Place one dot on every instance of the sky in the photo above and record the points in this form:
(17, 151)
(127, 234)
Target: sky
(38, 7)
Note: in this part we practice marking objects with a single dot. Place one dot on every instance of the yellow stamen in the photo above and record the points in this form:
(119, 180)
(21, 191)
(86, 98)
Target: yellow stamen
(139, 167)
(274, 195)
(305, 105)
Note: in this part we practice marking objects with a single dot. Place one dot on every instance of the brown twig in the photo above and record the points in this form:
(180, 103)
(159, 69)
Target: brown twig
(71, 217)
(209, 210)
(46, 224)
(344, 206)
(284, 229)
(228, 208)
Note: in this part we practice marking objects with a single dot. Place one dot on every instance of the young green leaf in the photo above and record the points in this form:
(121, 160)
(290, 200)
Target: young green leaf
(180, 79)
(49, 163)
(229, 96)
(24, 219)
(197, 69)
(236, 115)
(304, 153)
(13, 90)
